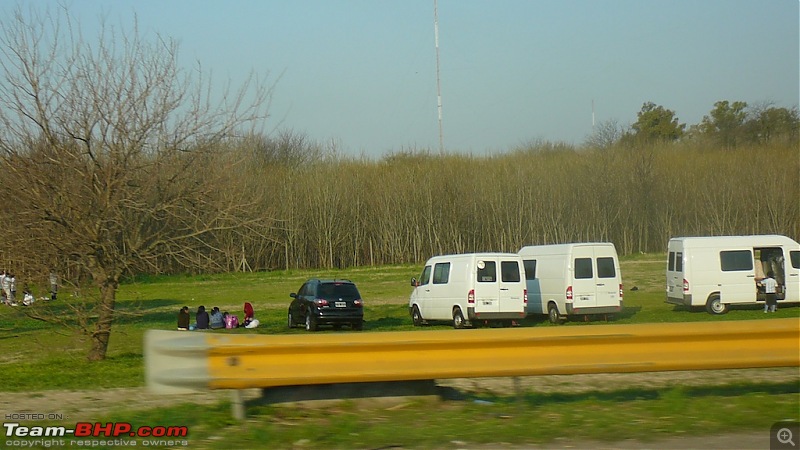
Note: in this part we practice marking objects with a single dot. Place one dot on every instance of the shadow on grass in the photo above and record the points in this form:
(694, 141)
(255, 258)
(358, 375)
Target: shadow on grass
(386, 322)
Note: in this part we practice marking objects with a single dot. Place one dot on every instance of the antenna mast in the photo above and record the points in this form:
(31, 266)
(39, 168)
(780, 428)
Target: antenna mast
(438, 82)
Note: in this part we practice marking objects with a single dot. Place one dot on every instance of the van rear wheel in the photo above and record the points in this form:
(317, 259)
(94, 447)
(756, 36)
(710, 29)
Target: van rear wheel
(715, 306)
(552, 314)
(458, 318)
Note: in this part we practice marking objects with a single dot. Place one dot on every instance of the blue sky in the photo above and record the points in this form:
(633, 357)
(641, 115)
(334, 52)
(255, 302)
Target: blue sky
(362, 73)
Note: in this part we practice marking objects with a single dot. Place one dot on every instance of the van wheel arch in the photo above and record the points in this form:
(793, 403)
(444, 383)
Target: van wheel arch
(714, 305)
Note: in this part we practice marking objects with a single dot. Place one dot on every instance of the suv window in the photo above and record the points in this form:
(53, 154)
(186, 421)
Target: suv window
(344, 291)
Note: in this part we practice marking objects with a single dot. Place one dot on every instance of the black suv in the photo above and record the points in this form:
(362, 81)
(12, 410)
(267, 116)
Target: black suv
(326, 302)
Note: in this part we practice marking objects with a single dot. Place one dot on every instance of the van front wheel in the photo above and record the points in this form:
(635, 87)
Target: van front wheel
(416, 316)
(458, 318)
(715, 306)
(552, 314)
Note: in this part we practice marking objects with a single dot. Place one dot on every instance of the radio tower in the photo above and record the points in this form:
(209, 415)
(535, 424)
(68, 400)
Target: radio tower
(438, 82)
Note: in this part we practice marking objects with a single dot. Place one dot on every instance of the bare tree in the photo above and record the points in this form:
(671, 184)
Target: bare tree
(106, 149)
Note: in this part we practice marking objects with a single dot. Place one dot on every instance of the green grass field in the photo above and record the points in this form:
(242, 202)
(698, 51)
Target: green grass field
(37, 356)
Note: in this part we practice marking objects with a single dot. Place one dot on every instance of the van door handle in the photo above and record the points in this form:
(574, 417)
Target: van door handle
(751, 276)
(503, 289)
(601, 284)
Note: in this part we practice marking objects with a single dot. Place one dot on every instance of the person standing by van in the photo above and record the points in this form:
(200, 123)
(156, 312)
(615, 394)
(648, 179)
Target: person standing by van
(770, 291)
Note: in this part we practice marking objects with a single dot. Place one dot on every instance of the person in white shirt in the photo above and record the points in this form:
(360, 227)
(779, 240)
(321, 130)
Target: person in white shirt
(770, 290)
(7, 288)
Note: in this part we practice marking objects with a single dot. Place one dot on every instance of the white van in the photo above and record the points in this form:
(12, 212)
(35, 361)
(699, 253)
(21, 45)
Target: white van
(469, 290)
(572, 279)
(719, 271)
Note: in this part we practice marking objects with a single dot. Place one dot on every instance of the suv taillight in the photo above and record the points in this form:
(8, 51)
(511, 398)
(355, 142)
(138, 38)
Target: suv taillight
(320, 302)
(569, 292)
(471, 297)
(357, 303)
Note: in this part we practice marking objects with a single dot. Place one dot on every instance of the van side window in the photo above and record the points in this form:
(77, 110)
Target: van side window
(509, 271)
(489, 272)
(530, 269)
(671, 262)
(605, 267)
(425, 278)
(679, 262)
(583, 268)
(441, 273)
(795, 257)
(735, 260)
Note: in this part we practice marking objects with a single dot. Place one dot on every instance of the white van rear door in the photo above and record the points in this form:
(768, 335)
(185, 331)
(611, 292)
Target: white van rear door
(512, 287)
(584, 284)
(675, 269)
(487, 286)
(608, 279)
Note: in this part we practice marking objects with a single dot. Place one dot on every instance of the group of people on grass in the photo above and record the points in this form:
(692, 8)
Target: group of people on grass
(216, 319)
(8, 287)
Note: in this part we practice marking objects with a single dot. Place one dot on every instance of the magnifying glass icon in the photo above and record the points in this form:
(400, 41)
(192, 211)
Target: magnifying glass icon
(784, 436)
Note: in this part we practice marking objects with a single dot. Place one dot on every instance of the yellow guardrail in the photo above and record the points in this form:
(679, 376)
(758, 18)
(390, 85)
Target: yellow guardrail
(180, 361)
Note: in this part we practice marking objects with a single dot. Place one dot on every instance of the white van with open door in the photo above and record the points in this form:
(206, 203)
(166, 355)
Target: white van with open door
(572, 279)
(718, 271)
(469, 290)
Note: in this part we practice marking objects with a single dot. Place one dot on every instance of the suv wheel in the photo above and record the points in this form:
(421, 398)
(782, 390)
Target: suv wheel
(311, 322)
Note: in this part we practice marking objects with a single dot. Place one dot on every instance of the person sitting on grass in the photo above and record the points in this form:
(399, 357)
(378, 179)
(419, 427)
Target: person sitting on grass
(184, 319)
(231, 320)
(202, 318)
(216, 318)
(250, 320)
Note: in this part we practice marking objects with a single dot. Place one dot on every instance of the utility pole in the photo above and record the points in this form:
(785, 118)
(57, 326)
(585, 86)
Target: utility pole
(438, 81)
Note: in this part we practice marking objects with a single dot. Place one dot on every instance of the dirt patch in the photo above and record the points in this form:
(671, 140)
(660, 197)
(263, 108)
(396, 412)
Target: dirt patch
(605, 382)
